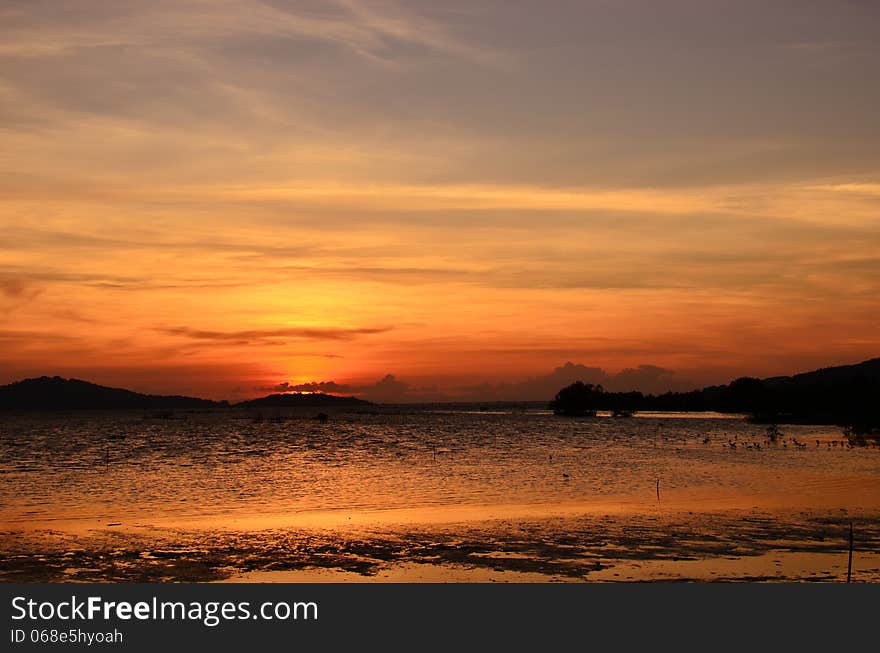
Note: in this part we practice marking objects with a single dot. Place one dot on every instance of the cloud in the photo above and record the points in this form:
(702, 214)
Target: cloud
(392, 275)
(264, 335)
(389, 389)
(16, 291)
(648, 379)
(17, 278)
(634, 187)
(644, 378)
(376, 33)
(17, 288)
(328, 387)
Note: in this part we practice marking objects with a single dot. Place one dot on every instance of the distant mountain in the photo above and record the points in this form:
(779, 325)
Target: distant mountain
(848, 395)
(868, 370)
(303, 400)
(56, 393)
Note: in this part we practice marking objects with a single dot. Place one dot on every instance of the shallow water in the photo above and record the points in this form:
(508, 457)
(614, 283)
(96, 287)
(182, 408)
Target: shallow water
(421, 495)
(412, 466)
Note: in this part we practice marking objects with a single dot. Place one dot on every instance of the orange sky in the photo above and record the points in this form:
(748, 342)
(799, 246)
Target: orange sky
(217, 198)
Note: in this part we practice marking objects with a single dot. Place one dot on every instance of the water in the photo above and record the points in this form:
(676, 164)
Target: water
(127, 466)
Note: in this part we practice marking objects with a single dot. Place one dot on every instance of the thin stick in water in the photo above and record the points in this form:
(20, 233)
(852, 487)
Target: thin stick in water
(849, 564)
(658, 490)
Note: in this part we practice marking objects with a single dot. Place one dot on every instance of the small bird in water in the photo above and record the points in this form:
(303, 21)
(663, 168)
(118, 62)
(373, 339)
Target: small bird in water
(564, 475)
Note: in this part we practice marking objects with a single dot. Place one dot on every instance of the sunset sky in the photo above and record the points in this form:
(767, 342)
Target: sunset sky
(221, 197)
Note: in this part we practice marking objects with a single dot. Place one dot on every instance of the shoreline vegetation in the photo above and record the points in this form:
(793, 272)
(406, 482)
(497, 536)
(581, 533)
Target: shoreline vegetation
(185, 501)
(847, 396)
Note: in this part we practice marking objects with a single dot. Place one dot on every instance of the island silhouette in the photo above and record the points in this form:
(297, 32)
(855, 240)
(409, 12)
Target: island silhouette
(55, 393)
(847, 395)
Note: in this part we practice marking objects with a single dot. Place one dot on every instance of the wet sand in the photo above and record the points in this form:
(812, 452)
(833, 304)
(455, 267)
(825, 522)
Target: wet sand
(728, 545)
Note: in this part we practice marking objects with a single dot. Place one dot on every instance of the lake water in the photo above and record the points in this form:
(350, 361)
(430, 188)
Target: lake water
(414, 465)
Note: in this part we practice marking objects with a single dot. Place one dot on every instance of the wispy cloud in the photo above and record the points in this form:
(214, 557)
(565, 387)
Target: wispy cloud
(645, 378)
(293, 333)
(257, 188)
(368, 29)
(388, 389)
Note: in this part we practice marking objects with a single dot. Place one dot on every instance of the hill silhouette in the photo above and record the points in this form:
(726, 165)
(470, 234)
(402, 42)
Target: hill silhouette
(847, 395)
(303, 400)
(56, 393)
(869, 370)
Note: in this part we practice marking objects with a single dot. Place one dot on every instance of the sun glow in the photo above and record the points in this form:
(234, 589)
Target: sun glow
(450, 210)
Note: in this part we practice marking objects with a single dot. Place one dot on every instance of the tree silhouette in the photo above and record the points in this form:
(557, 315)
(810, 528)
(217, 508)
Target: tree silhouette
(578, 400)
